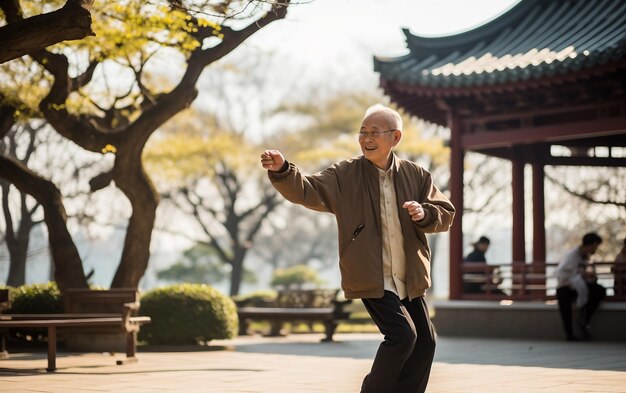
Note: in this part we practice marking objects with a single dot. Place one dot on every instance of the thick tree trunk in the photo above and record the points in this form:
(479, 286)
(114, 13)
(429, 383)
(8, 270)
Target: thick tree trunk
(236, 274)
(17, 264)
(17, 243)
(68, 266)
(20, 37)
(130, 177)
(19, 251)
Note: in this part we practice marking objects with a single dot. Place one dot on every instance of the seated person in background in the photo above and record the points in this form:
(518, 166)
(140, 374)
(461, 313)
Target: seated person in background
(478, 255)
(480, 248)
(576, 284)
(619, 272)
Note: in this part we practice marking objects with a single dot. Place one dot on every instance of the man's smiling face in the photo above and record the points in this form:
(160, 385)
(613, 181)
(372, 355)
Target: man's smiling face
(377, 149)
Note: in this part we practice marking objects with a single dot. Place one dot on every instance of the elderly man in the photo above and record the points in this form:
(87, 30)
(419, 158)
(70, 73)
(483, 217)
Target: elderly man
(384, 206)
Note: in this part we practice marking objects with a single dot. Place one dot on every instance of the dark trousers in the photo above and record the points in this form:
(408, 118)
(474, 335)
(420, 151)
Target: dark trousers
(402, 363)
(566, 296)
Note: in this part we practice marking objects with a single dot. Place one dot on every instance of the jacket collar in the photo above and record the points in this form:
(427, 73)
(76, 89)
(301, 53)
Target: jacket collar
(372, 169)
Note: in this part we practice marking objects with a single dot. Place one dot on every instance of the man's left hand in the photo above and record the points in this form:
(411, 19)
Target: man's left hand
(416, 211)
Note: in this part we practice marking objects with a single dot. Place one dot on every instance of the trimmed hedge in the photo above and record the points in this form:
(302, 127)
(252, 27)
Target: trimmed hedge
(187, 314)
(35, 299)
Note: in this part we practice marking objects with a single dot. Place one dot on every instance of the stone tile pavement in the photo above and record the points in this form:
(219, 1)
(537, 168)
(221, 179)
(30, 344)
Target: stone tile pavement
(301, 364)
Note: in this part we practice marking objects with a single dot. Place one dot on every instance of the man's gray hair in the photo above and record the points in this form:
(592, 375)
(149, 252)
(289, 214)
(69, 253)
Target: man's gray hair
(393, 117)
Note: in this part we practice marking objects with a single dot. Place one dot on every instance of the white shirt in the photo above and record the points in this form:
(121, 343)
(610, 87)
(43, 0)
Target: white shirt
(572, 264)
(394, 260)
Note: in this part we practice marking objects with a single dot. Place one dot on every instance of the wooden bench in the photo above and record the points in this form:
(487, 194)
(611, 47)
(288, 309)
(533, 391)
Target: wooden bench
(4, 299)
(532, 281)
(316, 305)
(113, 309)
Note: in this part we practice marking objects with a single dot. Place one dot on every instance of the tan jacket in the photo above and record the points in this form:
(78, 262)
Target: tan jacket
(349, 189)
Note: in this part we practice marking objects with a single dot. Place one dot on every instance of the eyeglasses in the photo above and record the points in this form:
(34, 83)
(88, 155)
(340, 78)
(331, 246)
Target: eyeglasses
(373, 134)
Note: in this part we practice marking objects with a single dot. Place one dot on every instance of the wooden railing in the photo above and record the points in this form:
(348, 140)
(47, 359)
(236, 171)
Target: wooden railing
(532, 281)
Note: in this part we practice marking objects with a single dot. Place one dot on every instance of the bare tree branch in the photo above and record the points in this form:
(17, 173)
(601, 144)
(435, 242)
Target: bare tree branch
(20, 36)
(585, 195)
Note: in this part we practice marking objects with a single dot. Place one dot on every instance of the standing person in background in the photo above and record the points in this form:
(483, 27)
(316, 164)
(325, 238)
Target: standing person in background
(575, 283)
(384, 206)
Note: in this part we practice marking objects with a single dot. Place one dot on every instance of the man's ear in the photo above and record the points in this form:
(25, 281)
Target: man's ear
(397, 135)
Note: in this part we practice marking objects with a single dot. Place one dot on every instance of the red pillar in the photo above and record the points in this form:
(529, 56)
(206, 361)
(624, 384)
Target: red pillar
(457, 155)
(539, 215)
(519, 240)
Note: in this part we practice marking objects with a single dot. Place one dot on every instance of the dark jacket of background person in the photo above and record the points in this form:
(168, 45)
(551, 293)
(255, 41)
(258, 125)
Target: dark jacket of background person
(349, 189)
(480, 248)
(475, 256)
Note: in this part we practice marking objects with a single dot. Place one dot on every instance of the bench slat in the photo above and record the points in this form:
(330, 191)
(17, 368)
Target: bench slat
(84, 322)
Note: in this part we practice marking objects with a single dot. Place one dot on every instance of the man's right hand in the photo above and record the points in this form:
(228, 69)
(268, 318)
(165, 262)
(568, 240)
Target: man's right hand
(272, 160)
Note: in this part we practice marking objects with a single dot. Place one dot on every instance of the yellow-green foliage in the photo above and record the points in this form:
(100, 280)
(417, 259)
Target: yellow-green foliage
(187, 314)
(414, 145)
(17, 74)
(176, 158)
(190, 146)
(127, 34)
(124, 29)
(36, 299)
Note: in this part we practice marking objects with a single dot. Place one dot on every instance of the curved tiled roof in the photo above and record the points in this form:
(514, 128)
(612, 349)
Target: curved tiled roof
(534, 39)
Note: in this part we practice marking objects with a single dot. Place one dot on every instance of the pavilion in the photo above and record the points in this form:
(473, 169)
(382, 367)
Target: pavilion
(545, 73)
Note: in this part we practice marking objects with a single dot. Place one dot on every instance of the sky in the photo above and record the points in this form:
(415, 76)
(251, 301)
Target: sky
(321, 35)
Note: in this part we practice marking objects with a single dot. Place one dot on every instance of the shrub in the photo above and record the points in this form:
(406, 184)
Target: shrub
(36, 299)
(187, 314)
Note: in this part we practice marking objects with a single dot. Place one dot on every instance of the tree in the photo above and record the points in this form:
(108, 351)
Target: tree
(207, 177)
(35, 144)
(19, 36)
(120, 119)
(17, 229)
(602, 186)
(297, 236)
(200, 264)
(585, 199)
(68, 267)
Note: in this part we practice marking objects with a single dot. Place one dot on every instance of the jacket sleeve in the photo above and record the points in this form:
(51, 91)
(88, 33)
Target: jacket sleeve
(317, 192)
(438, 210)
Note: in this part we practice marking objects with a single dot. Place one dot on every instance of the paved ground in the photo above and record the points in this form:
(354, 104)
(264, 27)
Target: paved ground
(300, 364)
